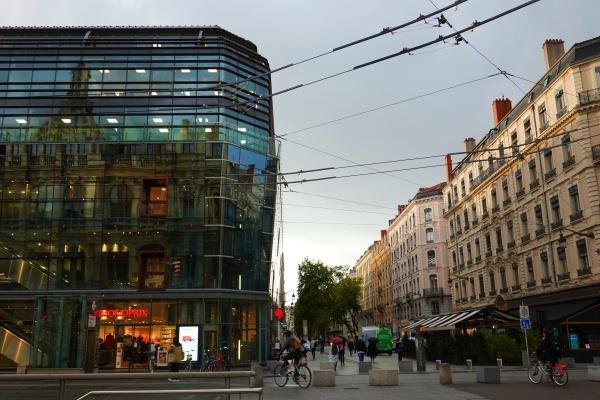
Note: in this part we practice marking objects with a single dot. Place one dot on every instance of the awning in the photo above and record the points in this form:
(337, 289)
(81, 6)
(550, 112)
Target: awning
(449, 321)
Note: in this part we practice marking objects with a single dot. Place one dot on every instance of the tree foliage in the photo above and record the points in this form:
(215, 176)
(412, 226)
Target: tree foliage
(326, 296)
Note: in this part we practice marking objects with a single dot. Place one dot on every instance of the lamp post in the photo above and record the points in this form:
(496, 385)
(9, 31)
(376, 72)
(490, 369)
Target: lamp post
(291, 319)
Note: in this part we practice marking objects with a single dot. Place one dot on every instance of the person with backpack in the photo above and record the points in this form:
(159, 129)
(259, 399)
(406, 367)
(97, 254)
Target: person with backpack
(399, 348)
(333, 355)
(293, 346)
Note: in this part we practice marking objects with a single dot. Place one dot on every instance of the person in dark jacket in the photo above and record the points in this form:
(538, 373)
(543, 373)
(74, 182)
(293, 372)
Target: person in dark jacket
(549, 349)
(361, 349)
(372, 349)
(399, 348)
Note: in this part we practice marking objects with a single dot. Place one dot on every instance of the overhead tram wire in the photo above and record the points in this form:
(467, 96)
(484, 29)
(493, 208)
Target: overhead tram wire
(406, 100)
(500, 70)
(406, 50)
(338, 199)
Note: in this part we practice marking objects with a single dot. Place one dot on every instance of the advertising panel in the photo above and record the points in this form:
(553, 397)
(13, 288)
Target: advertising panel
(190, 340)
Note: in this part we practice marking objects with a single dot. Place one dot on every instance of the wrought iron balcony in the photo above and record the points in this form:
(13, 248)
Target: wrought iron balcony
(504, 290)
(492, 293)
(525, 238)
(569, 162)
(540, 232)
(516, 287)
(499, 249)
(474, 222)
(561, 112)
(563, 277)
(520, 192)
(584, 271)
(556, 224)
(473, 297)
(531, 284)
(495, 208)
(510, 244)
(534, 184)
(589, 96)
(484, 215)
(433, 292)
(488, 253)
(550, 174)
(478, 259)
(506, 202)
(546, 280)
(576, 216)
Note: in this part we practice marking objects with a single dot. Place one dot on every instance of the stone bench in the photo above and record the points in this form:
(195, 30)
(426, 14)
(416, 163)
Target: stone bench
(488, 375)
(327, 365)
(323, 377)
(383, 377)
(405, 366)
(364, 367)
(569, 362)
(445, 374)
(593, 373)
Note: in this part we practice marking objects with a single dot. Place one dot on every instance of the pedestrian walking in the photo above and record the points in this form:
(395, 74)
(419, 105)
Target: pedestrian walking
(372, 350)
(174, 357)
(333, 355)
(361, 349)
(313, 348)
(399, 348)
(350, 346)
(341, 353)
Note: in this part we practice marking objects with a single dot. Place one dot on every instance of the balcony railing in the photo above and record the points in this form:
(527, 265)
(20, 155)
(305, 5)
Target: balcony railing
(506, 202)
(478, 259)
(488, 253)
(520, 192)
(576, 216)
(556, 224)
(492, 292)
(563, 277)
(561, 112)
(510, 244)
(550, 174)
(589, 96)
(516, 287)
(534, 184)
(499, 249)
(504, 290)
(584, 271)
(484, 215)
(569, 162)
(473, 297)
(525, 238)
(540, 231)
(546, 280)
(433, 292)
(474, 222)
(531, 284)
(495, 208)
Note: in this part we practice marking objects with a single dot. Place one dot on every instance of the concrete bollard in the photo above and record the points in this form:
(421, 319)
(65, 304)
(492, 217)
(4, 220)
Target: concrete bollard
(383, 377)
(499, 362)
(469, 364)
(323, 378)
(364, 367)
(445, 374)
(593, 372)
(327, 365)
(437, 364)
(257, 380)
(405, 366)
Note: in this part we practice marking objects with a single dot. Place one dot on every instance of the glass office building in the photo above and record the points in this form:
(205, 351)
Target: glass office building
(137, 194)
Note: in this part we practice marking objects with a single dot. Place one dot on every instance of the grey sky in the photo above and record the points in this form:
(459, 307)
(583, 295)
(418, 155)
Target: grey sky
(289, 31)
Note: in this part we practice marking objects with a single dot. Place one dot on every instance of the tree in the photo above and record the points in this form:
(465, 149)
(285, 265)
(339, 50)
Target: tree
(325, 296)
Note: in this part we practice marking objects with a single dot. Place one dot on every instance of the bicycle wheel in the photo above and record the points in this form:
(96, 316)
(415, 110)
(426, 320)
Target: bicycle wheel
(560, 376)
(304, 377)
(280, 375)
(535, 374)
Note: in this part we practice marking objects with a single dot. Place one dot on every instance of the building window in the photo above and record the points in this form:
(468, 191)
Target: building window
(514, 143)
(454, 259)
(462, 188)
(524, 224)
(545, 266)
(472, 283)
(470, 180)
(561, 254)
(530, 273)
(494, 199)
(488, 242)
(154, 199)
(427, 214)
(461, 257)
(533, 179)
(555, 205)
(431, 258)
(469, 253)
(515, 269)
(548, 162)
(477, 248)
(474, 212)
(567, 151)
(481, 286)
(484, 206)
(503, 278)
(510, 230)
(527, 129)
(505, 194)
(435, 307)
(429, 235)
(559, 97)
(539, 219)
(433, 283)
(466, 218)
(582, 254)
(492, 282)
(499, 244)
(519, 181)
(574, 199)
(543, 116)
(120, 201)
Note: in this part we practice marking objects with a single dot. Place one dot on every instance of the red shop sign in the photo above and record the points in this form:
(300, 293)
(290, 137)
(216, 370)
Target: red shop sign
(117, 312)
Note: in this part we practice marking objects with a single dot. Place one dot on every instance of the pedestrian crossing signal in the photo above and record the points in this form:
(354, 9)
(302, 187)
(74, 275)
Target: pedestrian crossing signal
(278, 313)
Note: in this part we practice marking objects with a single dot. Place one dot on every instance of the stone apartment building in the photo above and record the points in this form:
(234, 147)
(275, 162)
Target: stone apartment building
(419, 258)
(523, 205)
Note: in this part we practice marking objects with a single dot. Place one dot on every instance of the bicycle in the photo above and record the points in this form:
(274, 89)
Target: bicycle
(301, 374)
(558, 372)
(188, 362)
(210, 364)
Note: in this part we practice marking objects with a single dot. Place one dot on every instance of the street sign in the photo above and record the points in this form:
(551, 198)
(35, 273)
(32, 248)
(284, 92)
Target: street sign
(524, 312)
(91, 321)
(525, 324)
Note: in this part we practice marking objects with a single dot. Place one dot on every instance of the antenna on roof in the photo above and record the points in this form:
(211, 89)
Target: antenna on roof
(200, 40)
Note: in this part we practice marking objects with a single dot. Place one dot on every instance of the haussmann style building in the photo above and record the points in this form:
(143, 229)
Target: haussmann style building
(523, 206)
(136, 195)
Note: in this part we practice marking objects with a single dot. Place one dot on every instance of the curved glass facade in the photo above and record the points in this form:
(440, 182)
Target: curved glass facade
(139, 164)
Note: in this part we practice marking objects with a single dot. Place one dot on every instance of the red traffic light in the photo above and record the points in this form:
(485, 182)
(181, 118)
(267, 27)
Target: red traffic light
(421, 329)
(278, 313)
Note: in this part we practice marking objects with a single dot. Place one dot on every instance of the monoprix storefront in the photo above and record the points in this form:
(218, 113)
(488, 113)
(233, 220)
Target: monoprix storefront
(137, 195)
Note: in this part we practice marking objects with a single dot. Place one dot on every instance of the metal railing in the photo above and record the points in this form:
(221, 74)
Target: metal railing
(66, 377)
(240, 391)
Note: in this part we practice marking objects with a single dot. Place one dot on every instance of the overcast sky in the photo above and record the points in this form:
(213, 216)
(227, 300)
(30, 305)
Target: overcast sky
(290, 31)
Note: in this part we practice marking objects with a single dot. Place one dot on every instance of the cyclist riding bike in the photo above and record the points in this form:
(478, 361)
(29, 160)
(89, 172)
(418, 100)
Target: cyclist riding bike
(293, 346)
(549, 350)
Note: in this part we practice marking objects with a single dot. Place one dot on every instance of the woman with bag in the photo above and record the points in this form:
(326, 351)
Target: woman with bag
(175, 356)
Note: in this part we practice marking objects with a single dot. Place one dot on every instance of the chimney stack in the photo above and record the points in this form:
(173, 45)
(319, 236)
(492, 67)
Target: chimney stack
(500, 107)
(448, 163)
(469, 144)
(383, 234)
(553, 50)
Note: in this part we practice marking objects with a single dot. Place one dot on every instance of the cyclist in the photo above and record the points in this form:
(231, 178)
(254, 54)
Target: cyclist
(549, 349)
(292, 345)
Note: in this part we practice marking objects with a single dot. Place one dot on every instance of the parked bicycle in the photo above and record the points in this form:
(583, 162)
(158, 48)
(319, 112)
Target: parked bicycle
(301, 374)
(188, 362)
(209, 364)
(557, 372)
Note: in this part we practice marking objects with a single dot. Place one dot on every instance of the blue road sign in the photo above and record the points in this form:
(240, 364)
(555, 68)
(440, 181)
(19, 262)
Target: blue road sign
(525, 324)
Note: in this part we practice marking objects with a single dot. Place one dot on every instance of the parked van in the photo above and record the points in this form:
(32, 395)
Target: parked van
(382, 335)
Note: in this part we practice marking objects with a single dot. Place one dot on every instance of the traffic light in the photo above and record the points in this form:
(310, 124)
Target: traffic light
(278, 313)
